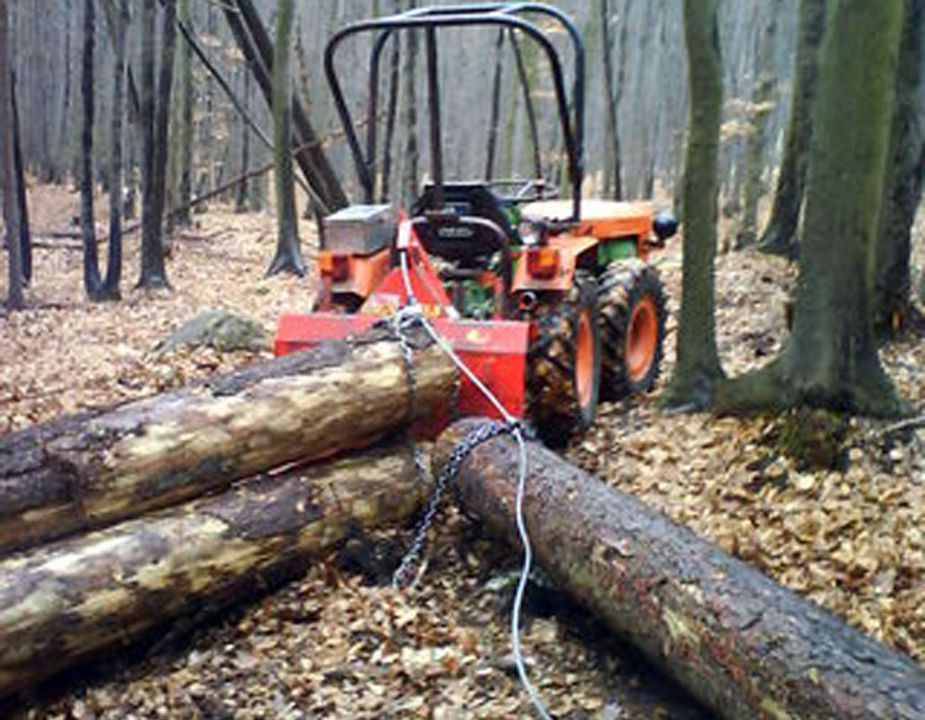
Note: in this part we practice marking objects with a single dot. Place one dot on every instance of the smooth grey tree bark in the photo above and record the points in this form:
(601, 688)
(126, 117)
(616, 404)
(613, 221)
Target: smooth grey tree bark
(15, 297)
(831, 359)
(288, 252)
(780, 235)
(698, 367)
(902, 191)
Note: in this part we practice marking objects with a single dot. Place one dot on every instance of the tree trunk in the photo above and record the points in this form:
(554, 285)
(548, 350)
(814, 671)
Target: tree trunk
(698, 367)
(22, 199)
(93, 283)
(258, 49)
(183, 161)
(494, 121)
(153, 272)
(411, 181)
(743, 645)
(830, 359)
(61, 605)
(63, 141)
(241, 195)
(15, 299)
(91, 470)
(288, 253)
(527, 88)
(391, 113)
(762, 106)
(780, 234)
(902, 189)
(613, 183)
(162, 128)
(120, 16)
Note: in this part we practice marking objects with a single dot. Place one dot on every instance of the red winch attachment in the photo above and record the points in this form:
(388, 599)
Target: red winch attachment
(495, 351)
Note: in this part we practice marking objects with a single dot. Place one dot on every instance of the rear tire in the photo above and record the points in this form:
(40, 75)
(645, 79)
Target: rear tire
(632, 318)
(564, 365)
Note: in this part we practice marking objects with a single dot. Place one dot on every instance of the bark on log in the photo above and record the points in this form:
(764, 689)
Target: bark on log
(742, 644)
(88, 471)
(66, 602)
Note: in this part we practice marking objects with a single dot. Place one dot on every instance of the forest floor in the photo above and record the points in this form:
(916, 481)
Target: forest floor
(850, 537)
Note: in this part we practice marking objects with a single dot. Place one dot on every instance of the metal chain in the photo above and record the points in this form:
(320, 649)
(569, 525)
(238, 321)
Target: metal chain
(483, 433)
(402, 323)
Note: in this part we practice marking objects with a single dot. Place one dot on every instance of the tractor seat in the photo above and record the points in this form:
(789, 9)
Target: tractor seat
(467, 244)
(603, 219)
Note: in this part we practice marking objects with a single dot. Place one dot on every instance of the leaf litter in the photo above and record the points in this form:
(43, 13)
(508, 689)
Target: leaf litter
(340, 643)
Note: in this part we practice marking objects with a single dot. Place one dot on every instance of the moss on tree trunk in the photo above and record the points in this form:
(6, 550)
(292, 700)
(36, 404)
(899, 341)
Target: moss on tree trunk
(288, 253)
(831, 357)
(780, 235)
(902, 188)
(698, 366)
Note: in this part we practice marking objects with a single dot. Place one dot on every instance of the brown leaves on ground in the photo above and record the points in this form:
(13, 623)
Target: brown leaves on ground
(65, 354)
(851, 539)
(329, 646)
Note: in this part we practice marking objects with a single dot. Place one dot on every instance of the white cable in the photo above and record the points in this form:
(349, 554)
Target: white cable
(520, 521)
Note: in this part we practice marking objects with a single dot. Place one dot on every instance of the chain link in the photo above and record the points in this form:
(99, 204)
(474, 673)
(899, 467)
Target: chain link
(402, 323)
(482, 434)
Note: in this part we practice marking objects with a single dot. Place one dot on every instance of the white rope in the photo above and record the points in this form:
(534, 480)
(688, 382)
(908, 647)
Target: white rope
(414, 310)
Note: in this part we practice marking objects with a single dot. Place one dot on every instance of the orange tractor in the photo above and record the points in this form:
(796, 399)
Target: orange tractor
(551, 303)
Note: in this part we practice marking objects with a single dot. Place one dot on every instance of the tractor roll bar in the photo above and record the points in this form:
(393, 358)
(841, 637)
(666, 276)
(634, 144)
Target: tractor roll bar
(503, 14)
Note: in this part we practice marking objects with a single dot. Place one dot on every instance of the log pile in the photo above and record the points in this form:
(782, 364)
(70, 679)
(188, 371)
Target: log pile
(743, 645)
(85, 472)
(120, 491)
(63, 603)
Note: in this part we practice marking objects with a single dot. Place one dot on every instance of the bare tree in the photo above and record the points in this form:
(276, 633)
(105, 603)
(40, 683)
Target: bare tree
(93, 284)
(22, 201)
(494, 121)
(613, 183)
(698, 368)
(241, 194)
(288, 253)
(780, 235)
(15, 298)
(762, 105)
(155, 109)
(391, 112)
(830, 359)
(121, 18)
(182, 160)
(903, 186)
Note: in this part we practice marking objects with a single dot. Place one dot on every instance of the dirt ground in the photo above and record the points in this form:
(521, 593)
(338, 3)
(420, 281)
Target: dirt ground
(335, 644)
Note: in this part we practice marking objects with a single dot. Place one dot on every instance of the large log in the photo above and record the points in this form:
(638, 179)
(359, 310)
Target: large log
(65, 602)
(742, 644)
(91, 470)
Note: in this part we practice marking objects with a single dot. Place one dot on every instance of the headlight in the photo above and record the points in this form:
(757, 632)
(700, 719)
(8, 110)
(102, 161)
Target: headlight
(529, 234)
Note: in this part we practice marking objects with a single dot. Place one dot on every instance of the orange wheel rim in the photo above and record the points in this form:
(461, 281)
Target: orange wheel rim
(641, 339)
(584, 359)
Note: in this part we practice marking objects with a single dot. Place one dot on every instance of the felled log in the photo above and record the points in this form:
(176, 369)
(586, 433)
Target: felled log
(90, 470)
(65, 602)
(739, 642)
